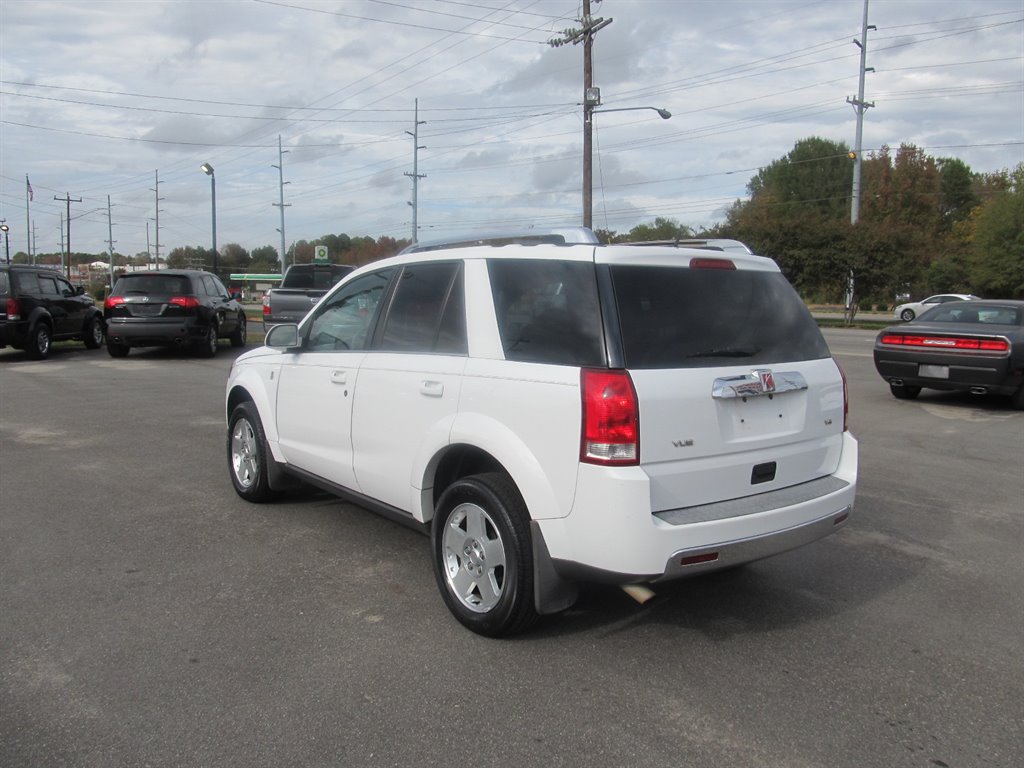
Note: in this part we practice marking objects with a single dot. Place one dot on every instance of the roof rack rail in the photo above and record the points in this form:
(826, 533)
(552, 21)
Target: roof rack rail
(553, 236)
(710, 244)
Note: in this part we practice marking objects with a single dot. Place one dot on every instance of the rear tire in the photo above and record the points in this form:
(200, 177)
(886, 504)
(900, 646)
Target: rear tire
(117, 350)
(1017, 401)
(39, 339)
(904, 391)
(482, 555)
(238, 337)
(907, 314)
(207, 346)
(247, 454)
(93, 336)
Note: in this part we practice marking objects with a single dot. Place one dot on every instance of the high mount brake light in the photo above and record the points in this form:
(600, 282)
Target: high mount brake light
(946, 342)
(611, 418)
(701, 262)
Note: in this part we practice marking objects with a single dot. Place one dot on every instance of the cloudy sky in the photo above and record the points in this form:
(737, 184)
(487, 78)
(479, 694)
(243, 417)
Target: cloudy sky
(102, 98)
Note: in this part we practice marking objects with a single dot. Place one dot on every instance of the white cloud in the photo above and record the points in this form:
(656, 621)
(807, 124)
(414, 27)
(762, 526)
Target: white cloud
(163, 86)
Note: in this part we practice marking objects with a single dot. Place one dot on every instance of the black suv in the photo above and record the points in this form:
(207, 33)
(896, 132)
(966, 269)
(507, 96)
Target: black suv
(38, 306)
(174, 307)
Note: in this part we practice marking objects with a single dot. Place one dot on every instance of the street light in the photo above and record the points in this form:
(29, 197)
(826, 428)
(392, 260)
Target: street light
(208, 170)
(592, 100)
(7, 241)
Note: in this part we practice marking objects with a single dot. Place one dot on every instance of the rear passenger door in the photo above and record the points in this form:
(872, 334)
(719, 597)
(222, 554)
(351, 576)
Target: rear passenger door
(409, 383)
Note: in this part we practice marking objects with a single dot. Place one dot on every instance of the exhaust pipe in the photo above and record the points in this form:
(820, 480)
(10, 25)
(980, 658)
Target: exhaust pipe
(638, 592)
(896, 382)
(979, 390)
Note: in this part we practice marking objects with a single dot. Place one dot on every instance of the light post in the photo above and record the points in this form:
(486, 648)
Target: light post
(7, 240)
(592, 99)
(208, 170)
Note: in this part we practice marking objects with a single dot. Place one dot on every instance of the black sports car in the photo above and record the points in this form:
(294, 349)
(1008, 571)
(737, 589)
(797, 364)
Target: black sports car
(965, 346)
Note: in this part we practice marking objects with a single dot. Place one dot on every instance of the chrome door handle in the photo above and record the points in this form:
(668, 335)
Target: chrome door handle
(339, 377)
(432, 388)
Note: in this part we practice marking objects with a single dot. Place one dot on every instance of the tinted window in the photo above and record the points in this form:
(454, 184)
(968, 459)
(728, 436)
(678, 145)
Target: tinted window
(967, 313)
(426, 313)
(48, 286)
(344, 321)
(64, 287)
(153, 285)
(690, 318)
(547, 311)
(5, 287)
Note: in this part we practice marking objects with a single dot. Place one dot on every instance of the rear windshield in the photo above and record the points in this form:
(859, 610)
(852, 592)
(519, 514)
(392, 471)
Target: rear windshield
(320, 278)
(696, 318)
(970, 313)
(152, 285)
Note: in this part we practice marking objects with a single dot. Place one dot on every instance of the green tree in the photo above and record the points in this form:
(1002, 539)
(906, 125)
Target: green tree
(996, 260)
(816, 175)
(264, 259)
(661, 229)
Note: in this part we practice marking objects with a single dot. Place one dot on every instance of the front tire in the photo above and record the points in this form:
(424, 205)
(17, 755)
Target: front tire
(907, 314)
(38, 347)
(247, 454)
(93, 336)
(904, 391)
(482, 555)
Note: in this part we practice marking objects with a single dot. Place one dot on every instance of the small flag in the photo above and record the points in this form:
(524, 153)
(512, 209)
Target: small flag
(30, 194)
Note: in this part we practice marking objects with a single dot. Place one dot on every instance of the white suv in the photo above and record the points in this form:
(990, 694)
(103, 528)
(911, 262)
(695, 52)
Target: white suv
(557, 412)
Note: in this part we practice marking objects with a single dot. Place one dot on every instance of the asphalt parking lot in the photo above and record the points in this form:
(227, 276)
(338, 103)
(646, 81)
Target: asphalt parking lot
(149, 617)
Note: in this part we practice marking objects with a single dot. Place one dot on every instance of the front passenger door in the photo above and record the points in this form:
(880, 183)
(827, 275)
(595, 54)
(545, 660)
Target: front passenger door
(317, 384)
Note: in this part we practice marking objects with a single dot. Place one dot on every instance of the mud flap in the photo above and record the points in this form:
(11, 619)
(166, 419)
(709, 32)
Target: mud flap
(551, 592)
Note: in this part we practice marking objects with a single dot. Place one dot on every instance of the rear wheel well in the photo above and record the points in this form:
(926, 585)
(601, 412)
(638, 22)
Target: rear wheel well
(461, 461)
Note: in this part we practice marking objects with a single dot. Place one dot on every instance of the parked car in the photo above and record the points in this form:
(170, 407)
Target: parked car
(39, 306)
(303, 286)
(555, 414)
(972, 346)
(172, 307)
(912, 309)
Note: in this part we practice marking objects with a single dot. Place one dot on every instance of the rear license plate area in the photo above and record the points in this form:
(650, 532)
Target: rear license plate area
(933, 371)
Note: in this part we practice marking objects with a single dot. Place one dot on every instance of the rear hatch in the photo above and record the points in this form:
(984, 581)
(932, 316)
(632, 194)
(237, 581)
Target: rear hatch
(151, 297)
(737, 391)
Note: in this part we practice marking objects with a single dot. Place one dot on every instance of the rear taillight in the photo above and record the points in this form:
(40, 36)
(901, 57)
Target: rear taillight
(611, 418)
(188, 302)
(946, 342)
(266, 303)
(113, 301)
(13, 309)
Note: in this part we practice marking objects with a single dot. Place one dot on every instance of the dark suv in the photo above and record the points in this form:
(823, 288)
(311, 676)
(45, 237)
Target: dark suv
(181, 307)
(38, 306)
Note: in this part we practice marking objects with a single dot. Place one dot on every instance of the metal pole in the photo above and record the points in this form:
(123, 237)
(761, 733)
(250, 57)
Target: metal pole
(110, 239)
(416, 175)
(281, 205)
(860, 107)
(588, 124)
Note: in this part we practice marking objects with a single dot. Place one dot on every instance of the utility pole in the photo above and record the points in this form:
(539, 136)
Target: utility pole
(157, 199)
(28, 232)
(110, 240)
(69, 200)
(591, 97)
(860, 107)
(33, 241)
(416, 175)
(62, 239)
(280, 185)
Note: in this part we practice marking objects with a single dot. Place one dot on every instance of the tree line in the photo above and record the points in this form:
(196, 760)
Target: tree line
(926, 225)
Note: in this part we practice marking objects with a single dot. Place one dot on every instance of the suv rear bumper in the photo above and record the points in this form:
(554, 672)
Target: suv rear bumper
(612, 537)
(152, 333)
